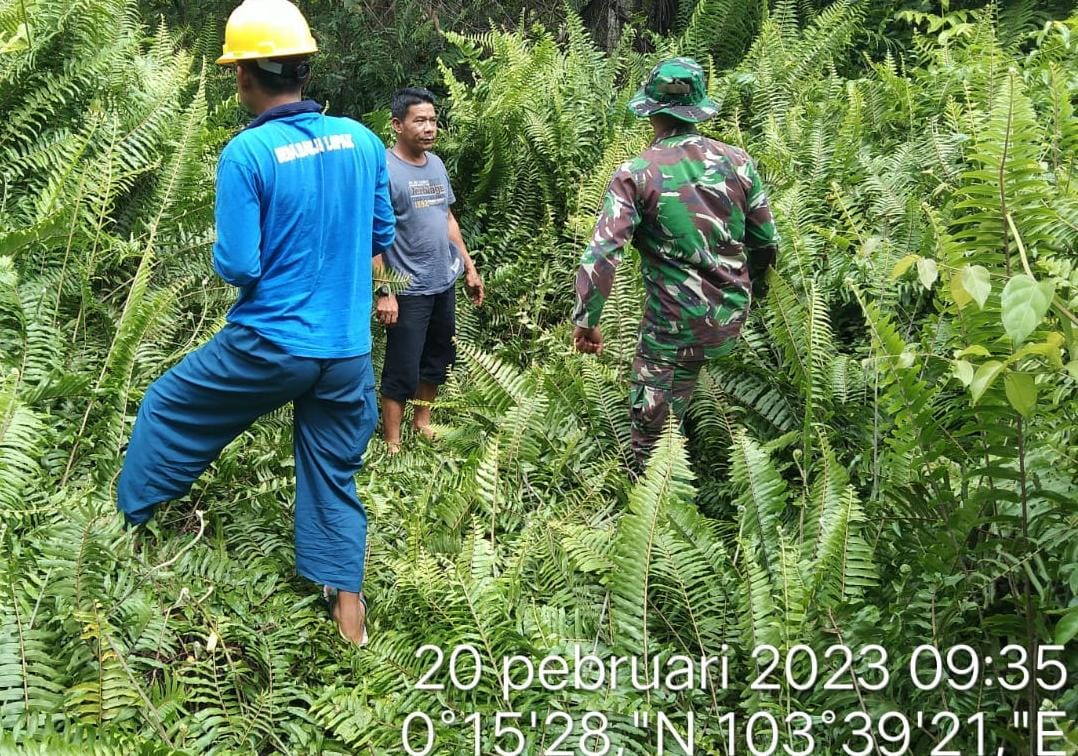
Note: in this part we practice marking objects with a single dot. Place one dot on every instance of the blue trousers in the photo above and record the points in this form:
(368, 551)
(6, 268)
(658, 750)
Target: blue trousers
(194, 410)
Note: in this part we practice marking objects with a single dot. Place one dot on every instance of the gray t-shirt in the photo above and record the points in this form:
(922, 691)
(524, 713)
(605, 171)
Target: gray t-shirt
(421, 197)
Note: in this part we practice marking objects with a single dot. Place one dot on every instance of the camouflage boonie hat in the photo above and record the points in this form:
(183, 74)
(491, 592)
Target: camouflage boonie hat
(677, 87)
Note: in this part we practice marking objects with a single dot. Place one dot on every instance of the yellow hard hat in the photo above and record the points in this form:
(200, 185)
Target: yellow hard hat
(266, 29)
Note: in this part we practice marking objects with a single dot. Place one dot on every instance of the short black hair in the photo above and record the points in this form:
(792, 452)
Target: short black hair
(406, 98)
(279, 75)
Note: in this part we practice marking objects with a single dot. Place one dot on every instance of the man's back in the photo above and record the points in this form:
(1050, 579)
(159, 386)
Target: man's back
(305, 197)
(698, 213)
(694, 206)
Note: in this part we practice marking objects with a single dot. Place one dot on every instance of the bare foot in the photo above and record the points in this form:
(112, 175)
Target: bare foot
(394, 447)
(427, 432)
(351, 617)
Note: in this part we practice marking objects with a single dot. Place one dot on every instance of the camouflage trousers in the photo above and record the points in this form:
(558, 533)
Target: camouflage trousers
(659, 385)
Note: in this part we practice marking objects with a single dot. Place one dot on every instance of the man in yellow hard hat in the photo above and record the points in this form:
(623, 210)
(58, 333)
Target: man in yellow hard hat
(302, 205)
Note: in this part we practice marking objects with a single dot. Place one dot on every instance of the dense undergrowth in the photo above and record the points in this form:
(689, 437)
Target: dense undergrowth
(888, 456)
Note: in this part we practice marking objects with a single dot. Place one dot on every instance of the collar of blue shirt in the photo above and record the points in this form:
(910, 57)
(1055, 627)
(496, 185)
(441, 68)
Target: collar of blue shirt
(286, 110)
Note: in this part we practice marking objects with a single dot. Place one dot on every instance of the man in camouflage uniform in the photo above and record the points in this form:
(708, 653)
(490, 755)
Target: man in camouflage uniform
(697, 212)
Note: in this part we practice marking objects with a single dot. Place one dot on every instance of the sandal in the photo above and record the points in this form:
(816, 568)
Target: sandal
(329, 596)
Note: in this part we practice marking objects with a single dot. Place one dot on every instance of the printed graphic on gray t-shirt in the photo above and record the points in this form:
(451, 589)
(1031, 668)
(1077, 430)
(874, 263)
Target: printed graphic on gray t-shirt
(421, 197)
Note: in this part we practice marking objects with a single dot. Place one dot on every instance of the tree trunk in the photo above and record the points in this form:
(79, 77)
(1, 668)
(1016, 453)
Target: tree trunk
(606, 19)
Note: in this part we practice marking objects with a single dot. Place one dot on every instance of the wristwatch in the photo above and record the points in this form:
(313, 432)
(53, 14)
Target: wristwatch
(383, 290)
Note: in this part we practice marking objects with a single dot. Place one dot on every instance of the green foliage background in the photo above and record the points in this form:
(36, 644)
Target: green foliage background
(887, 457)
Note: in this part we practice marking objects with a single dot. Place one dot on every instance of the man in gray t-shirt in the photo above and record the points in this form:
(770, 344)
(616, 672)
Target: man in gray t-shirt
(421, 321)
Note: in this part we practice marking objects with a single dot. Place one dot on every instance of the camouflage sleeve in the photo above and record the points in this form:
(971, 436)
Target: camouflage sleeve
(761, 237)
(615, 227)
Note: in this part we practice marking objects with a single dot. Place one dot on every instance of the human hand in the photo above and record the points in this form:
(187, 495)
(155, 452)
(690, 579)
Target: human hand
(588, 340)
(386, 309)
(474, 284)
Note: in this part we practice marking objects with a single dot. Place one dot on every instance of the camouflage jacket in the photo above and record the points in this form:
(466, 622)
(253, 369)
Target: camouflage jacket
(697, 212)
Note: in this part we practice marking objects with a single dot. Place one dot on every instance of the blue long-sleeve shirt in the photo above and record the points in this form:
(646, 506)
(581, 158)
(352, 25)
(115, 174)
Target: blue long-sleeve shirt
(302, 205)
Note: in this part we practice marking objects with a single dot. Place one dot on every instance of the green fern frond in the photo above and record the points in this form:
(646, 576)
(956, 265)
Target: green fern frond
(762, 498)
(22, 436)
(833, 542)
(499, 383)
(760, 623)
(666, 482)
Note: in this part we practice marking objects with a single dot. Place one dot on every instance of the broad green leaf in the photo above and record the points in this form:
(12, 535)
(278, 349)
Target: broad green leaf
(963, 371)
(974, 349)
(972, 283)
(959, 294)
(1067, 627)
(1051, 349)
(927, 272)
(1072, 368)
(1024, 304)
(18, 42)
(986, 373)
(903, 265)
(1021, 391)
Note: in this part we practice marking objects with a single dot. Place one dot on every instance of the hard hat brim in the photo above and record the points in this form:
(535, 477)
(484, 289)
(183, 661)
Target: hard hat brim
(231, 58)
